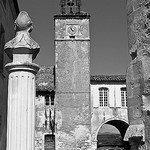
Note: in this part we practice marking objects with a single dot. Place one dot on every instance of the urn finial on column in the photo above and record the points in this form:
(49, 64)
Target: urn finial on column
(22, 49)
(23, 27)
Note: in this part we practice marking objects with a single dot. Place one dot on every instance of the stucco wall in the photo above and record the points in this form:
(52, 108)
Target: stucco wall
(114, 111)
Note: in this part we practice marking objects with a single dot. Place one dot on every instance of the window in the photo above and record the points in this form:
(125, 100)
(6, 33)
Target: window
(103, 97)
(123, 97)
(52, 98)
(47, 100)
(2, 42)
(49, 143)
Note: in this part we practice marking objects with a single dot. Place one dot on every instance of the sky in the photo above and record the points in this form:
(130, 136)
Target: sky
(108, 32)
(108, 128)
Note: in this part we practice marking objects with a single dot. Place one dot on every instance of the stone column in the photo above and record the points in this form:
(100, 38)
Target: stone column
(21, 86)
(138, 72)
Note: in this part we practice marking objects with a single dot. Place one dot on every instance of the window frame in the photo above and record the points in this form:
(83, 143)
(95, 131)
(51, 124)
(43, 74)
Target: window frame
(123, 92)
(103, 90)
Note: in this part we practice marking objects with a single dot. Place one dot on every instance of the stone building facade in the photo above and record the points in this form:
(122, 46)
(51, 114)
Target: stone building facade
(8, 13)
(44, 109)
(76, 124)
(75, 111)
(138, 73)
(108, 106)
(73, 118)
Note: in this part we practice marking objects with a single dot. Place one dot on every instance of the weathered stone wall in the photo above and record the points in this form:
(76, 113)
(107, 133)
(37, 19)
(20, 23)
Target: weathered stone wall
(73, 115)
(43, 113)
(138, 73)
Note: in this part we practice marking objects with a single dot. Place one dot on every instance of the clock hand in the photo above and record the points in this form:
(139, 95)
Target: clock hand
(72, 29)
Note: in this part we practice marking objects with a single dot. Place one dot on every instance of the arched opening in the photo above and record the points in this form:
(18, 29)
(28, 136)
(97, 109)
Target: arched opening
(111, 134)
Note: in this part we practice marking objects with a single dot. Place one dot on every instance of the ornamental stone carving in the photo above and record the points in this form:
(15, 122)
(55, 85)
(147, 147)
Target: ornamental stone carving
(23, 27)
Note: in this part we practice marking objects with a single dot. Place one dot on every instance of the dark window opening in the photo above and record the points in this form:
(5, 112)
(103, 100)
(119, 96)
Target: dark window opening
(72, 37)
(47, 100)
(49, 143)
(52, 99)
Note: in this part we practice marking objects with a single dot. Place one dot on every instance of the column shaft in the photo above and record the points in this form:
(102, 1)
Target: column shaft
(21, 96)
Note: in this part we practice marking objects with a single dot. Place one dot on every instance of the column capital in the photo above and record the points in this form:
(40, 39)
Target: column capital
(29, 67)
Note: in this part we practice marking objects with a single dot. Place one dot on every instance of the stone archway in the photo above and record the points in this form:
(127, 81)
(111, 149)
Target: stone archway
(121, 125)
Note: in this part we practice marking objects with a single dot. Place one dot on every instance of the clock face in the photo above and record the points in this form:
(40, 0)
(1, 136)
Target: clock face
(72, 29)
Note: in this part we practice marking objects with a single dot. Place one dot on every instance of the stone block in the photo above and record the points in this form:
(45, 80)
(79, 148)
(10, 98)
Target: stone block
(146, 74)
(135, 113)
(78, 138)
(74, 108)
(134, 79)
(138, 29)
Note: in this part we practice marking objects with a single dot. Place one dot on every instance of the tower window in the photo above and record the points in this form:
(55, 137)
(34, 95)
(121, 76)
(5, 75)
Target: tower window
(123, 97)
(103, 97)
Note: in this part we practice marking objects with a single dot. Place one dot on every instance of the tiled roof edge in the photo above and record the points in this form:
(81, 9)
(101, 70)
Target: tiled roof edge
(110, 78)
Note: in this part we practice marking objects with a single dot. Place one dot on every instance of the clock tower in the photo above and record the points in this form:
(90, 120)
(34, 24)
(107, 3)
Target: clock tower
(72, 62)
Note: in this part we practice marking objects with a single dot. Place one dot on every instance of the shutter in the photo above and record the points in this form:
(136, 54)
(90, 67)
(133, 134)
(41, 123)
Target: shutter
(118, 97)
(95, 97)
(111, 97)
